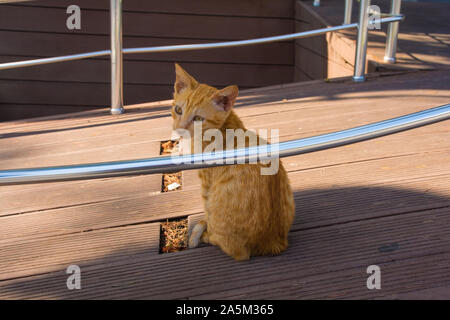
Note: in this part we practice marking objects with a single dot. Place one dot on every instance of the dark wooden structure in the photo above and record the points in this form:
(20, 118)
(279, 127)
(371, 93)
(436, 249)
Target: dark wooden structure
(38, 29)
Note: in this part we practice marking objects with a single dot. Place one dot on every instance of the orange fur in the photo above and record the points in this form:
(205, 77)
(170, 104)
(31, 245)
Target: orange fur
(247, 213)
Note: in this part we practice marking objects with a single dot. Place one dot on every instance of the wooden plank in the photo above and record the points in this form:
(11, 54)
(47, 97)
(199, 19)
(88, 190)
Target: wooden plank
(316, 207)
(50, 19)
(20, 199)
(38, 45)
(107, 214)
(99, 124)
(147, 110)
(328, 250)
(403, 279)
(315, 66)
(98, 149)
(24, 258)
(150, 73)
(76, 94)
(191, 178)
(436, 293)
(260, 8)
(11, 111)
(307, 63)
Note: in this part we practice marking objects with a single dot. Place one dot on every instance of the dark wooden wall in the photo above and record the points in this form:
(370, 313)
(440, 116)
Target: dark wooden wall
(38, 29)
(326, 56)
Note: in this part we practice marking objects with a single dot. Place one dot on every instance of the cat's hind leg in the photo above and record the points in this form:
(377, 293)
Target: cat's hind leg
(198, 234)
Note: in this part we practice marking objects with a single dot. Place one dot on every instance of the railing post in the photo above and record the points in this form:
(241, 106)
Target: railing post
(316, 3)
(391, 40)
(361, 44)
(116, 58)
(348, 11)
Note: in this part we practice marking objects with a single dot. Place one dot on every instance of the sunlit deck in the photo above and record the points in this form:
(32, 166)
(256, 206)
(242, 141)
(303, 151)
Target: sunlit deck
(384, 202)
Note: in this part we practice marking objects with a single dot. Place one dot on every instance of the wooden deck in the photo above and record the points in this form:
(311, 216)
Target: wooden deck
(384, 202)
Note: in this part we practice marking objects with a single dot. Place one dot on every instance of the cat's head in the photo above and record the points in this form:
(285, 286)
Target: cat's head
(193, 101)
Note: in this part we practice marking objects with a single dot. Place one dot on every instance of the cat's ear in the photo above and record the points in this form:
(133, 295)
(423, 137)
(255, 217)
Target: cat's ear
(183, 80)
(225, 98)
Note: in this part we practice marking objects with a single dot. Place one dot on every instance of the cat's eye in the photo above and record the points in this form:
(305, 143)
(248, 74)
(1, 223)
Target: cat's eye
(198, 118)
(178, 110)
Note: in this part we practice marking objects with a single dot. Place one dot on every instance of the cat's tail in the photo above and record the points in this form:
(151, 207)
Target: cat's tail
(196, 234)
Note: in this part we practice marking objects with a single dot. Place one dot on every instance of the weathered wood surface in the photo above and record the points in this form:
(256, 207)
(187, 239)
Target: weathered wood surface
(384, 202)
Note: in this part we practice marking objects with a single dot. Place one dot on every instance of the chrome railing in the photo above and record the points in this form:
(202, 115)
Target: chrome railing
(202, 160)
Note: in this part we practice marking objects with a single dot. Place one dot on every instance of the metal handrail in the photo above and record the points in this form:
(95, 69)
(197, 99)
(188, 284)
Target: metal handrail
(189, 47)
(252, 154)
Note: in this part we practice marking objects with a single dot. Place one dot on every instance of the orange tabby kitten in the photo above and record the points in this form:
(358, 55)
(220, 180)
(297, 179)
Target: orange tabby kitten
(246, 213)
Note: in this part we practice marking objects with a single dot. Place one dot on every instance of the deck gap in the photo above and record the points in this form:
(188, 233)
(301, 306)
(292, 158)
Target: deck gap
(173, 235)
(170, 181)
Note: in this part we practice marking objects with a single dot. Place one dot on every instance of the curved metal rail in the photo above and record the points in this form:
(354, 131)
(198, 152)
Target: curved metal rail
(195, 161)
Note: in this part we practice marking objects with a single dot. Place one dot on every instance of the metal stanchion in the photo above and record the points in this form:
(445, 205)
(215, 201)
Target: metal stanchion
(348, 11)
(361, 44)
(391, 41)
(116, 58)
